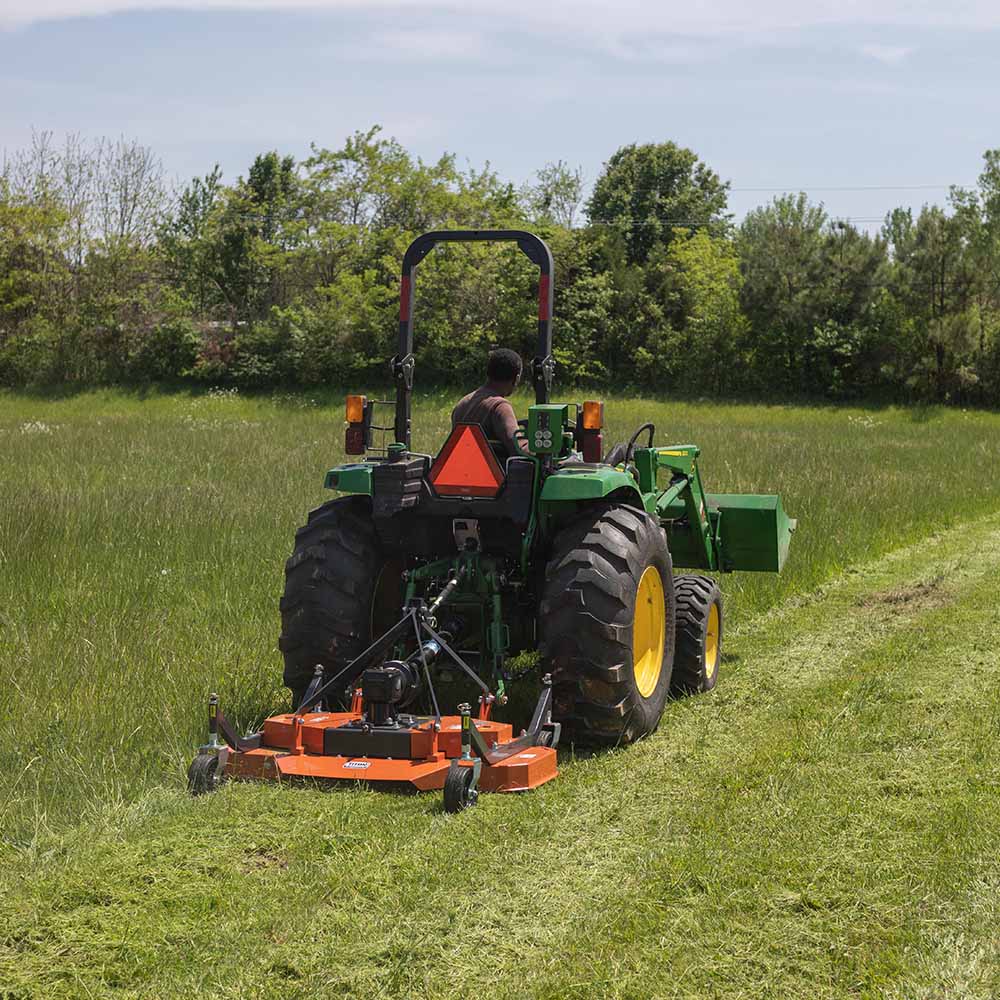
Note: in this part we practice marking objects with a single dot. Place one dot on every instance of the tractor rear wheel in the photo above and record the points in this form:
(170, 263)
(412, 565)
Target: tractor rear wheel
(607, 626)
(699, 634)
(338, 586)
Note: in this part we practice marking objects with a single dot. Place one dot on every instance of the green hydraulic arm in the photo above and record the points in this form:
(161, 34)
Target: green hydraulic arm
(682, 499)
(712, 531)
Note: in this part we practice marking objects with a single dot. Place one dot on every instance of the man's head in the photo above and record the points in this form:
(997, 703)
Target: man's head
(503, 370)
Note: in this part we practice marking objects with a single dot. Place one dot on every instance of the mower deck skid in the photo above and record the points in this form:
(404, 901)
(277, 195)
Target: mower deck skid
(297, 746)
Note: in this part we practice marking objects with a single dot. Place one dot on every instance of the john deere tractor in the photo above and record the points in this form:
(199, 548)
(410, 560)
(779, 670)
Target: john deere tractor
(466, 559)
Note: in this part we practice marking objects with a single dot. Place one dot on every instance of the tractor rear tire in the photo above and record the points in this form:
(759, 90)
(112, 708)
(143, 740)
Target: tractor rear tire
(328, 607)
(699, 634)
(607, 626)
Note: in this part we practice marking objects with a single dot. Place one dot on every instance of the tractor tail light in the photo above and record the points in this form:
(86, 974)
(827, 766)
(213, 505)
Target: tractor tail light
(591, 445)
(589, 422)
(593, 415)
(356, 436)
(354, 439)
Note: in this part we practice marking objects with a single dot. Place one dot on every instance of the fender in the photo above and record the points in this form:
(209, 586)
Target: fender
(355, 478)
(584, 482)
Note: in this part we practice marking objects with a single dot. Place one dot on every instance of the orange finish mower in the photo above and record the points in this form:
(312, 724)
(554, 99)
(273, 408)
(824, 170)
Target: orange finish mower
(375, 741)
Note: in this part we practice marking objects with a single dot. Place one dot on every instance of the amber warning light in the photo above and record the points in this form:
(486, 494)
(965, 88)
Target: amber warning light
(591, 441)
(593, 415)
(356, 409)
(355, 437)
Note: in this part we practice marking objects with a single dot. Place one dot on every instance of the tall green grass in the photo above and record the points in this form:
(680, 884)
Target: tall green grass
(142, 541)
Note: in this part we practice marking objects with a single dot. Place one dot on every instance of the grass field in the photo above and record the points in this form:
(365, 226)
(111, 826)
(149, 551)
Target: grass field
(824, 825)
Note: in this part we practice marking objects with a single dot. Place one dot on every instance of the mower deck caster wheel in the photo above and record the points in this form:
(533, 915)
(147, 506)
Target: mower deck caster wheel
(460, 788)
(203, 774)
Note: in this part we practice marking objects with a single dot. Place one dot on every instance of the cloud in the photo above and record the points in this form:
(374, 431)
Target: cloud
(428, 44)
(598, 19)
(891, 55)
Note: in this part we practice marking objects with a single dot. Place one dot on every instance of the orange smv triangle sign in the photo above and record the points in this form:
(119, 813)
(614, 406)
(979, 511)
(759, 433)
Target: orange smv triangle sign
(466, 466)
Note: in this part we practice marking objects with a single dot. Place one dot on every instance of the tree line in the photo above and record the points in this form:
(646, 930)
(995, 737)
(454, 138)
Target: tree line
(289, 276)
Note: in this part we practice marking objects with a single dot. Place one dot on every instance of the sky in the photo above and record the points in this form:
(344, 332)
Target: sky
(865, 106)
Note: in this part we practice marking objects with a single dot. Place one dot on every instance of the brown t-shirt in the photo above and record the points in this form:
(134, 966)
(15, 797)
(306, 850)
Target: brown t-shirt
(494, 413)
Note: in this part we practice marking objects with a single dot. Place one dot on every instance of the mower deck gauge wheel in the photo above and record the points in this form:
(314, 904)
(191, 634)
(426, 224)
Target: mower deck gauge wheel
(203, 774)
(460, 788)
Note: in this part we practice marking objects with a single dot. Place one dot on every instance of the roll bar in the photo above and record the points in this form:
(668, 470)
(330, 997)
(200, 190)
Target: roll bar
(542, 365)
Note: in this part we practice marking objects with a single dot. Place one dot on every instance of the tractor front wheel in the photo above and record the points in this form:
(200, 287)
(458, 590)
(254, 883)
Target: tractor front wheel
(699, 634)
(607, 626)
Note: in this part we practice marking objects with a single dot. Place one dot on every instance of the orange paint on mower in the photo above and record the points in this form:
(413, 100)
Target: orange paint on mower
(296, 747)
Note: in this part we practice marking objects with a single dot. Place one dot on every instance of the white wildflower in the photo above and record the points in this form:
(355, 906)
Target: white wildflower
(219, 392)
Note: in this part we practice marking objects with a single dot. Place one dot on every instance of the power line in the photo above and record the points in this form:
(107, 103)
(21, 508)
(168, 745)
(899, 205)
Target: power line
(808, 188)
(855, 187)
(708, 223)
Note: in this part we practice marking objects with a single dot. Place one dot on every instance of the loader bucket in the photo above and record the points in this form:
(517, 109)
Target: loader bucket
(753, 531)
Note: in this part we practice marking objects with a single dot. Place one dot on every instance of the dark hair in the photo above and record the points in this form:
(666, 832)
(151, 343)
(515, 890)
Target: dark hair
(504, 365)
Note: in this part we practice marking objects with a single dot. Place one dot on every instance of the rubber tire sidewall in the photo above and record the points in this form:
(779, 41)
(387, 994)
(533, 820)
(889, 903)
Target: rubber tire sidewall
(328, 606)
(458, 788)
(695, 595)
(586, 623)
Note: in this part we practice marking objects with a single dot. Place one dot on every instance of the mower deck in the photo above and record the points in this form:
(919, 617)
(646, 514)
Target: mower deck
(299, 746)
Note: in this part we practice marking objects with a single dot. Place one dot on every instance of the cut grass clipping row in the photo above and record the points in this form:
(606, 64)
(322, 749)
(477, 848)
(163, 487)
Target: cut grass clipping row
(825, 825)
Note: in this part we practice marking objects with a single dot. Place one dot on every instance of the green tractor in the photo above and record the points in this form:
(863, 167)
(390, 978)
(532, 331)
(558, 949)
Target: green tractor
(469, 558)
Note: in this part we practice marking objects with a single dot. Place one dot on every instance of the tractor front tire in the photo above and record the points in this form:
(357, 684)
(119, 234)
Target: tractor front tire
(330, 585)
(607, 626)
(699, 634)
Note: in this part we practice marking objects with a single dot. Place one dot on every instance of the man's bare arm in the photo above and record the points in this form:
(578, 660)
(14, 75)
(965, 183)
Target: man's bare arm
(505, 428)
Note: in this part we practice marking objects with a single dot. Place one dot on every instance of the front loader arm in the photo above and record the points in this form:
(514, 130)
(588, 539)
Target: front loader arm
(712, 531)
(683, 499)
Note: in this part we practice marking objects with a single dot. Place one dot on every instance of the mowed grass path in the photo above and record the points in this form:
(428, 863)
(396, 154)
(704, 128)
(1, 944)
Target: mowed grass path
(825, 824)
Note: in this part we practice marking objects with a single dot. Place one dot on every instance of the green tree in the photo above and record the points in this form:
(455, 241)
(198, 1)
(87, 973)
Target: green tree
(934, 276)
(554, 197)
(700, 288)
(249, 237)
(31, 256)
(978, 216)
(809, 291)
(183, 243)
(648, 191)
(781, 249)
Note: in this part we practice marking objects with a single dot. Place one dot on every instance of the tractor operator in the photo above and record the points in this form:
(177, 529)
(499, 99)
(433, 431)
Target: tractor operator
(488, 405)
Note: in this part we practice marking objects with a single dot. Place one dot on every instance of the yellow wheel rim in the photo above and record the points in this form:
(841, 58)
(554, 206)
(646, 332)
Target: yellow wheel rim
(649, 626)
(712, 642)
